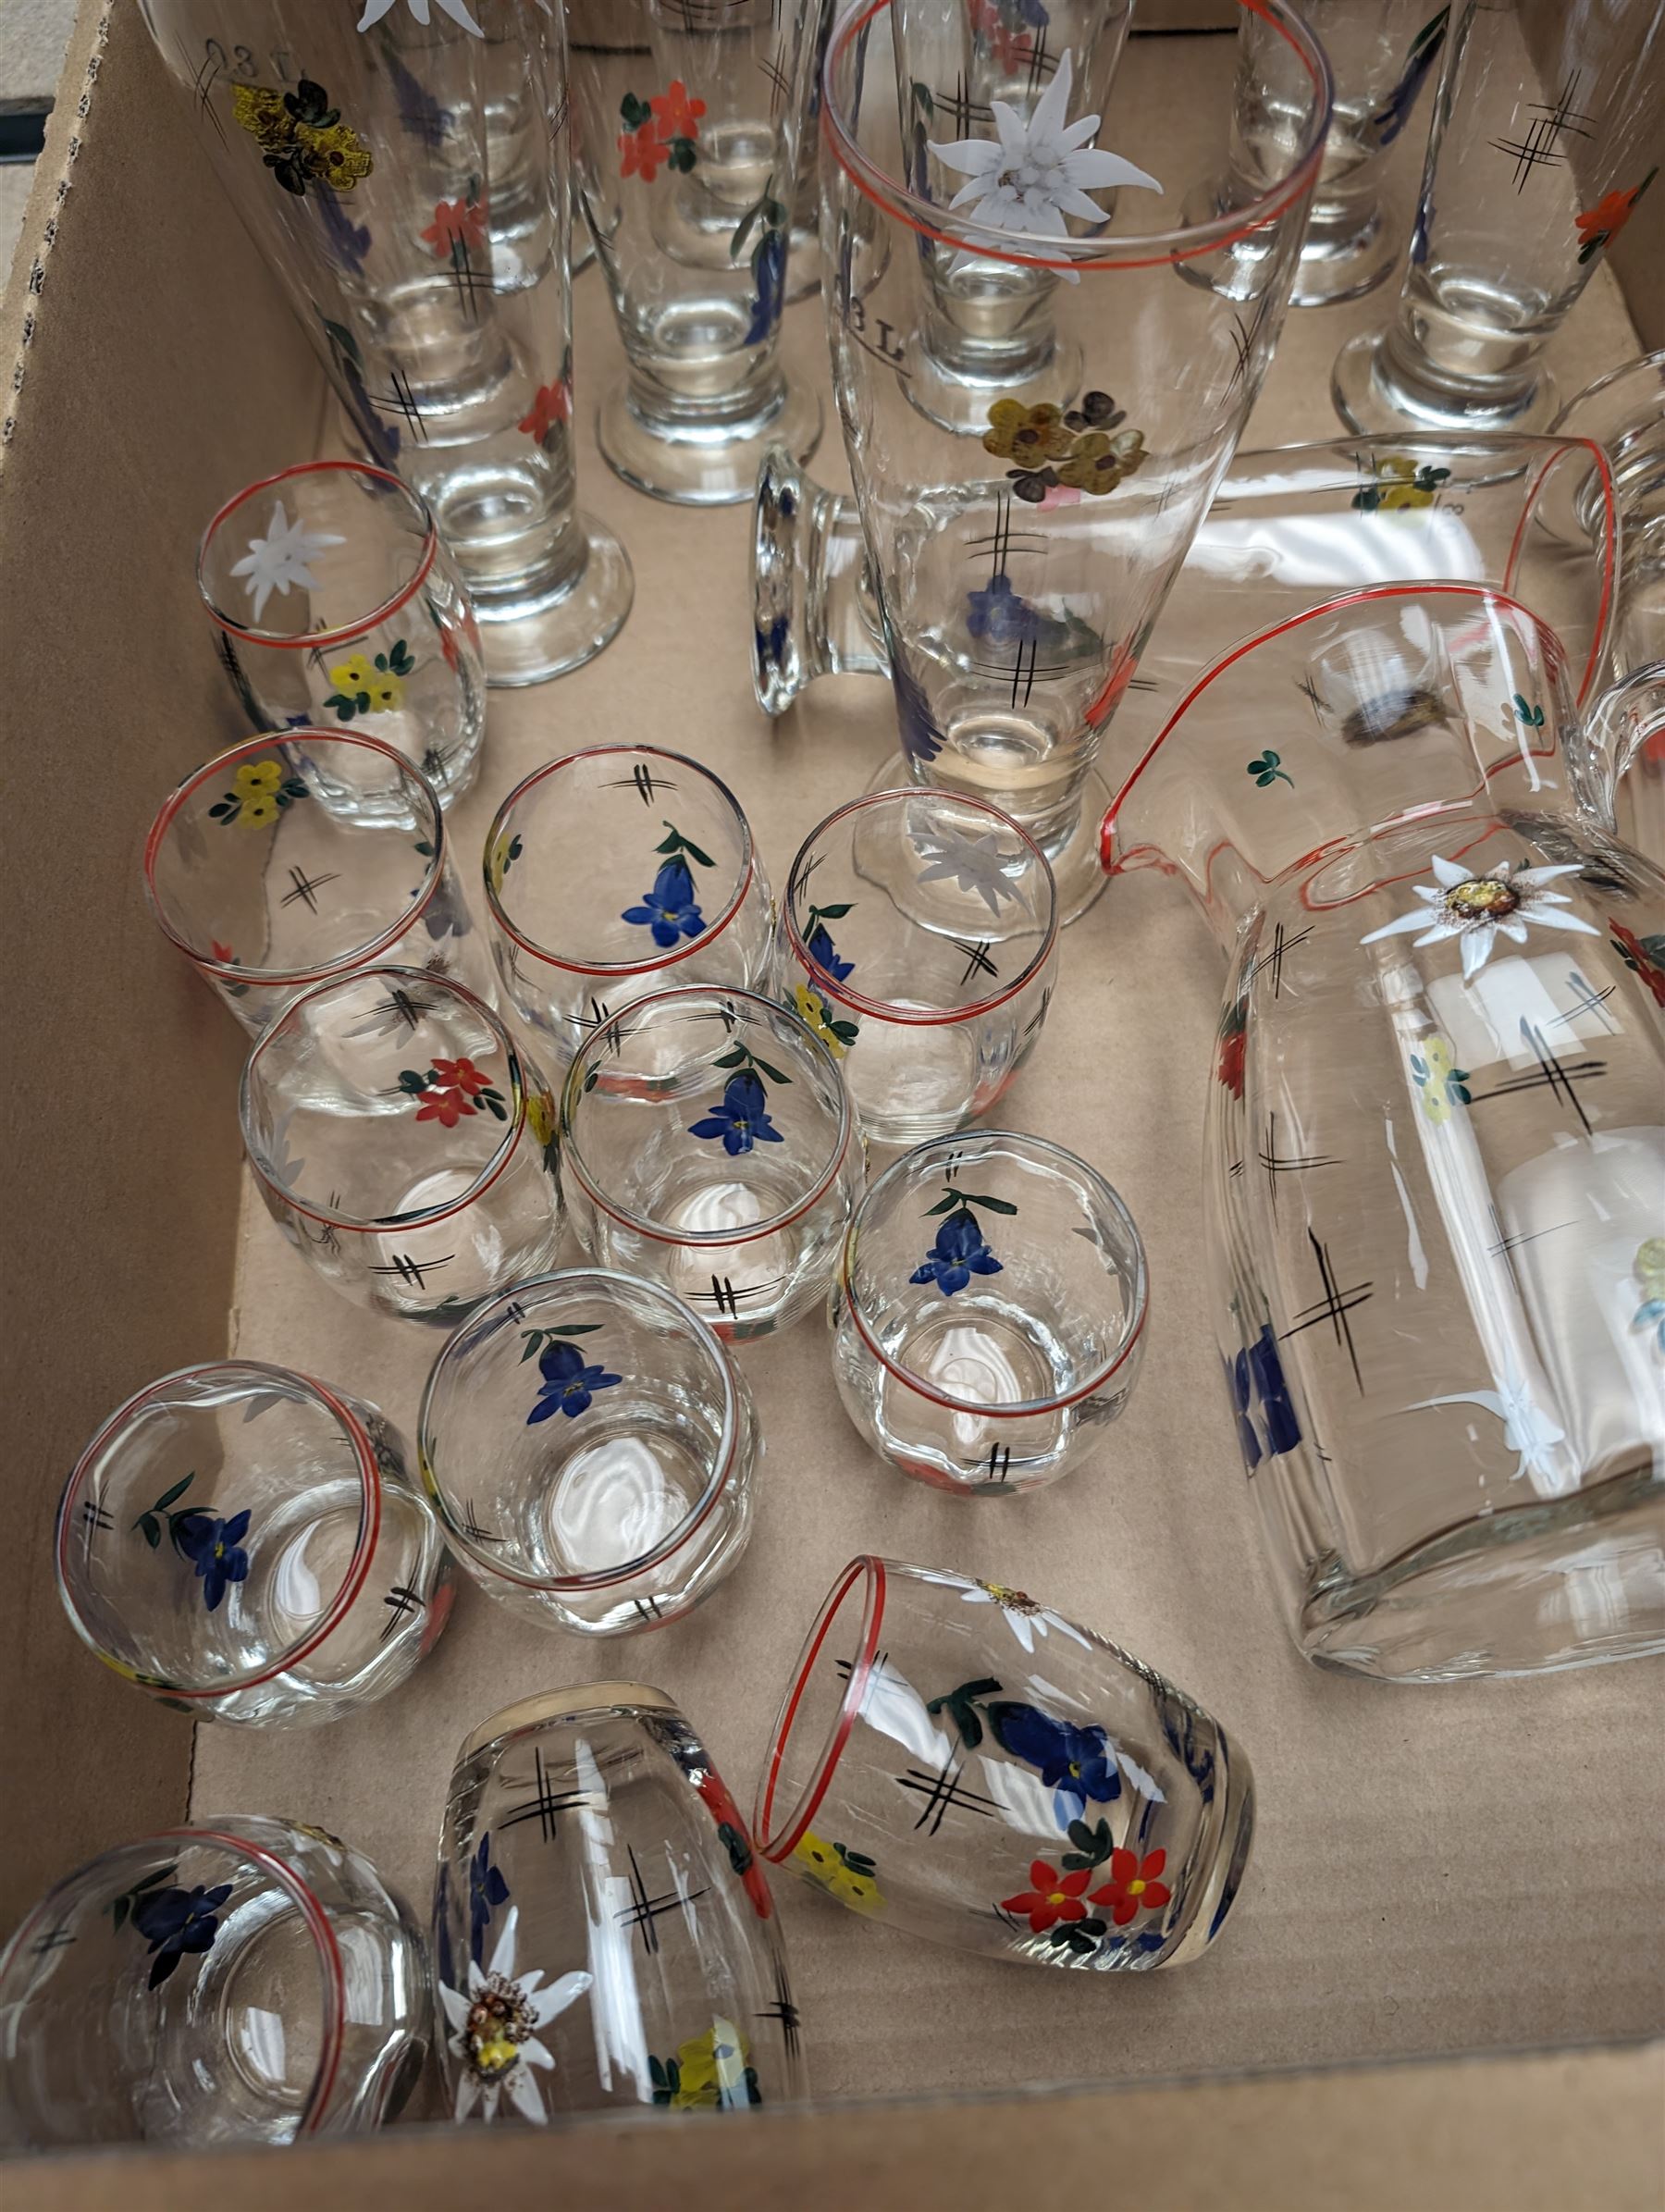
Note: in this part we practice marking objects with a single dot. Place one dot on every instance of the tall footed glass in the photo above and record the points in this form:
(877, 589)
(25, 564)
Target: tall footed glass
(1035, 411)
(1434, 1162)
(405, 173)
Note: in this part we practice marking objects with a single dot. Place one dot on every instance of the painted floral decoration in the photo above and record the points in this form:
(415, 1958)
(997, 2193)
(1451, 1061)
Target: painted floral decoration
(980, 864)
(301, 138)
(1005, 616)
(1649, 1270)
(1076, 1764)
(486, 1891)
(1007, 28)
(818, 940)
(458, 228)
(960, 1250)
(659, 132)
(552, 407)
(1440, 1082)
(1022, 1614)
(1477, 909)
(1523, 710)
(1401, 484)
(740, 1120)
(1600, 225)
(199, 1533)
(1267, 769)
(1390, 118)
(921, 739)
(494, 2029)
(730, 1831)
(456, 9)
(1083, 449)
(1528, 1431)
(570, 1381)
(1053, 1897)
(671, 909)
(367, 685)
(175, 1924)
(504, 853)
(1134, 1887)
(450, 1091)
(1256, 1378)
(226, 957)
(284, 556)
(260, 790)
(540, 1119)
(1643, 955)
(1234, 1044)
(709, 2074)
(850, 1876)
(835, 1030)
(1037, 170)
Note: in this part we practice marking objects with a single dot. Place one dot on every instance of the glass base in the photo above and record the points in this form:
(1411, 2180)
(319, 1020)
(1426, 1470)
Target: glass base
(1372, 403)
(959, 400)
(529, 640)
(696, 464)
(1333, 269)
(1077, 869)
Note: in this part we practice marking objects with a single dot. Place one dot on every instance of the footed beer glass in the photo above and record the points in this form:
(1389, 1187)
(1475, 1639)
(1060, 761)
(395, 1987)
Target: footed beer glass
(1434, 1168)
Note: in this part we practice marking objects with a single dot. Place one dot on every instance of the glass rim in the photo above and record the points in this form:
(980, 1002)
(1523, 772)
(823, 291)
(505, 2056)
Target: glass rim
(879, 1009)
(290, 641)
(1133, 1320)
(1603, 387)
(893, 197)
(317, 1920)
(353, 1577)
(1115, 863)
(777, 1843)
(724, 1453)
(427, 1216)
(566, 1705)
(364, 955)
(670, 957)
(599, 1042)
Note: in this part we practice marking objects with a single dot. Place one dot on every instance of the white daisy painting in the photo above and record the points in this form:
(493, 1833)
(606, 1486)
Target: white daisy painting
(284, 556)
(1478, 909)
(494, 2026)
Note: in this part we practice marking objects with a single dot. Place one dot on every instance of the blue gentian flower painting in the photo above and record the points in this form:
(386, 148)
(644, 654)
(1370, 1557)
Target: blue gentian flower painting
(671, 909)
(569, 1383)
(741, 1118)
(176, 1924)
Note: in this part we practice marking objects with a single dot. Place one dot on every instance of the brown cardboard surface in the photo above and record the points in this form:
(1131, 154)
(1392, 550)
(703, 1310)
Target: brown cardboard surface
(1566, 2132)
(1436, 1871)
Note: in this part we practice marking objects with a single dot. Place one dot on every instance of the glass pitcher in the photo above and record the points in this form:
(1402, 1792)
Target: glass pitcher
(1434, 1162)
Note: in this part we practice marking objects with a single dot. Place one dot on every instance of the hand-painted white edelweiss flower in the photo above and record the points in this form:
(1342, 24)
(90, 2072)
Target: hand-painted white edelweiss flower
(1527, 1431)
(494, 2029)
(1031, 176)
(1479, 908)
(1024, 1617)
(376, 10)
(279, 559)
(977, 864)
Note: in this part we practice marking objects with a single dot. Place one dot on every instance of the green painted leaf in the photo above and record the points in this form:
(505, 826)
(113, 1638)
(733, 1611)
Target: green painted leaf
(734, 1058)
(942, 1206)
(494, 1105)
(773, 1074)
(995, 1206)
(152, 1527)
(682, 154)
(835, 913)
(179, 1491)
(633, 112)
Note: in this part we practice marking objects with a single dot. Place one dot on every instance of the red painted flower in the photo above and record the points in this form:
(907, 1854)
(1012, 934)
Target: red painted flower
(222, 953)
(1638, 954)
(640, 154)
(731, 1827)
(674, 114)
(456, 223)
(467, 628)
(1133, 1886)
(1598, 226)
(552, 405)
(447, 1108)
(1054, 1896)
(462, 1075)
(1228, 1067)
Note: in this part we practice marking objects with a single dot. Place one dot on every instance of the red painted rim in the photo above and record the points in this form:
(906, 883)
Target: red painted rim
(211, 772)
(1157, 248)
(879, 1009)
(488, 1174)
(358, 1566)
(500, 828)
(311, 638)
(779, 1847)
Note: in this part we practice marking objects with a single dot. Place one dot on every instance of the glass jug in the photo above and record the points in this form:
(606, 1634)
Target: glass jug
(1434, 1163)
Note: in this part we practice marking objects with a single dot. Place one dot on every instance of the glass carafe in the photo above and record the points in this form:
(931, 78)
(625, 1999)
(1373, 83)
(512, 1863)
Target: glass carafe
(1435, 1164)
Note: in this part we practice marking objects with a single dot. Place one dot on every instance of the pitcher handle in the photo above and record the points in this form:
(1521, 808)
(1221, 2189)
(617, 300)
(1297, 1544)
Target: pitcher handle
(1627, 716)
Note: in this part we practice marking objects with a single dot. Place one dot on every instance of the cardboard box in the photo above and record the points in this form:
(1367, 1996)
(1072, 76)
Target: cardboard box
(1438, 1871)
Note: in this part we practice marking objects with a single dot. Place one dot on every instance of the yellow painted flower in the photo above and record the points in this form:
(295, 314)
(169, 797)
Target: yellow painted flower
(1029, 436)
(844, 1874)
(262, 114)
(255, 813)
(1100, 461)
(501, 859)
(335, 157)
(258, 779)
(815, 1013)
(1403, 485)
(356, 675)
(540, 1114)
(711, 2070)
(385, 693)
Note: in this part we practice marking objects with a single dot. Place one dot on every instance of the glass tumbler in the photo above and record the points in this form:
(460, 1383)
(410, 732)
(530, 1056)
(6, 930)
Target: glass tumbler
(403, 1144)
(590, 1447)
(1035, 412)
(1545, 136)
(282, 864)
(250, 1545)
(405, 173)
(689, 117)
(944, 913)
(334, 601)
(708, 1142)
(958, 1761)
(616, 872)
(245, 1980)
(604, 1935)
(1381, 53)
(990, 1314)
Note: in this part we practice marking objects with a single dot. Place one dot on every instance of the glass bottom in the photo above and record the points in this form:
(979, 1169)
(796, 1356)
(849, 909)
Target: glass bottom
(957, 398)
(1077, 868)
(699, 462)
(531, 640)
(1334, 267)
(1373, 400)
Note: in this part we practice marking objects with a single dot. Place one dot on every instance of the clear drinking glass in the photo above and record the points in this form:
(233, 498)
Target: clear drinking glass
(990, 1314)
(708, 1142)
(929, 1715)
(945, 912)
(402, 1143)
(250, 1545)
(334, 601)
(689, 118)
(405, 173)
(286, 863)
(1035, 412)
(590, 1447)
(243, 1981)
(603, 1934)
(802, 253)
(1435, 1146)
(1624, 414)
(1545, 136)
(614, 872)
(1380, 53)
